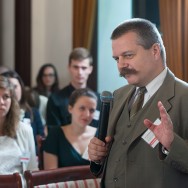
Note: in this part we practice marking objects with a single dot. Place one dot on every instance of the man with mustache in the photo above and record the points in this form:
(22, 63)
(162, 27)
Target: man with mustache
(149, 148)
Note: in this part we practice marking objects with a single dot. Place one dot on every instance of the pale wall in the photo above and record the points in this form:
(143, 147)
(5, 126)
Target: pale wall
(7, 31)
(111, 13)
(51, 36)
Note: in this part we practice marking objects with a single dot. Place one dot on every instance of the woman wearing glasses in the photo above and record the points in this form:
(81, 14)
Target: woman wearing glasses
(47, 80)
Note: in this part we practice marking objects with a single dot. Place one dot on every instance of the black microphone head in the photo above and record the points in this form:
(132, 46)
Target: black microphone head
(106, 96)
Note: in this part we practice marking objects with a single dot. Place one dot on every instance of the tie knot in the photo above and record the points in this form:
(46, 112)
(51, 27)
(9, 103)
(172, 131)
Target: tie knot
(142, 90)
(137, 104)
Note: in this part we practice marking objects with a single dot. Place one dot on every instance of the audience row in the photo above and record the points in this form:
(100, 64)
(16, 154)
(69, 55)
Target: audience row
(66, 119)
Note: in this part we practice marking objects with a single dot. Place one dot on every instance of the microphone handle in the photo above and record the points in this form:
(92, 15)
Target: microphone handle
(103, 121)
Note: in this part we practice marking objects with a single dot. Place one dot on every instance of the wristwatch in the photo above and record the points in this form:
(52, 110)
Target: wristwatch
(165, 151)
(97, 162)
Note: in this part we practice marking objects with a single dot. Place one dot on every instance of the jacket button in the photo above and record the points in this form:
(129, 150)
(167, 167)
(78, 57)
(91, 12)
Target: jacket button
(115, 179)
(124, 142)
(129, 125)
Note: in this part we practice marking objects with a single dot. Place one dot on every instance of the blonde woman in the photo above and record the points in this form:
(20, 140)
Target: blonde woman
(17, 148)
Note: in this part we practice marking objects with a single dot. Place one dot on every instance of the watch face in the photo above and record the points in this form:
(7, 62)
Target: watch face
(165, 151)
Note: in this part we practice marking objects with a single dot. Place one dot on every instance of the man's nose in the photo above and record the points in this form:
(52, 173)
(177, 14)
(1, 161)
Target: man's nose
(122, 62)
(80, 70)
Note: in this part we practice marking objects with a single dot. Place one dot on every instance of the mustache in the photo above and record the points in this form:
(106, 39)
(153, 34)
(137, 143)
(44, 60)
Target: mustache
(125, 71)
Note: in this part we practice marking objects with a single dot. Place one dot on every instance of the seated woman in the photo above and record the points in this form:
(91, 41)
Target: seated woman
(47, 80)
(17, 148)
(37, 101)
(67, 145)
(28, 115)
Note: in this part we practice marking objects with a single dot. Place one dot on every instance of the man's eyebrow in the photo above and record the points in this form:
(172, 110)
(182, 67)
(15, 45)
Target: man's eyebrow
(123, 53)
(82, 66)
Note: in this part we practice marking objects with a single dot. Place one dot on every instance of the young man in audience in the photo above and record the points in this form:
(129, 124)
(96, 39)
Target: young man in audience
(80, 67)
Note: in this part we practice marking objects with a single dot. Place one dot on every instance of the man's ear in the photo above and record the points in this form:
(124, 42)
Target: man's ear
(156, 50)
(91, 68)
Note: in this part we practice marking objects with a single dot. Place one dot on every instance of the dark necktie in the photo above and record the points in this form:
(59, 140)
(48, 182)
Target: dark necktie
(137, 105)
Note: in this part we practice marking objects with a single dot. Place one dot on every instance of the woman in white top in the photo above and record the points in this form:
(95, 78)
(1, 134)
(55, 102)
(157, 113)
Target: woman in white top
(17, 148)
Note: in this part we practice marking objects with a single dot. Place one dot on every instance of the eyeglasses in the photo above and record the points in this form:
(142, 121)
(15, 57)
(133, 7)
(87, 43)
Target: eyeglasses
(48, 75)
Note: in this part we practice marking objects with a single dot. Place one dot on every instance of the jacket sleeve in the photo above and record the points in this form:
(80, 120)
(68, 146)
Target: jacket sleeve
(178, 155)
(52, 113)
(96, 169)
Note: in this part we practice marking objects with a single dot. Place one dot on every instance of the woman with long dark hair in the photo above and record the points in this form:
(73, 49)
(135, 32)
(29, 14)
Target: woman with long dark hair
(47, 80)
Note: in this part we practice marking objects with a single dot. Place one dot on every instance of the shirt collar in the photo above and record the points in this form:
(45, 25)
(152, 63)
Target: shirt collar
(155, 84)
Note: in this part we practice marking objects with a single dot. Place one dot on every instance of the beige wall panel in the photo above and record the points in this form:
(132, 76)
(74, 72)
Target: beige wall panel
(51, 36)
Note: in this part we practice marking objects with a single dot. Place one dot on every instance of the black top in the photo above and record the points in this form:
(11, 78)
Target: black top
(57, 144)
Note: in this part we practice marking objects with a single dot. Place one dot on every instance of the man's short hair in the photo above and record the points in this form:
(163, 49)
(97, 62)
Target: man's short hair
(80, 54)
(146, 31)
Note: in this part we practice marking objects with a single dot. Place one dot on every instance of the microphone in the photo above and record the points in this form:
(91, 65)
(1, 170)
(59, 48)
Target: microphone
(106, 99)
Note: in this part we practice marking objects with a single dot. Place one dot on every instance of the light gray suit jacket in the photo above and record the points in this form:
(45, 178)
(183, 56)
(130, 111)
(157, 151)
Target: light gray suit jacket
(146, 167)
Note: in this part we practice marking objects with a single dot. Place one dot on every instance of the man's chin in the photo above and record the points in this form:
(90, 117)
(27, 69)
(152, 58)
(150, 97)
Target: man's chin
(81, 83)
(128, 76)
(129, 80)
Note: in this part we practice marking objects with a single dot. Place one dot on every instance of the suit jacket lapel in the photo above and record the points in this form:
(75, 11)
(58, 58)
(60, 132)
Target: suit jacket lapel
(119, 101)
(150, 110)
